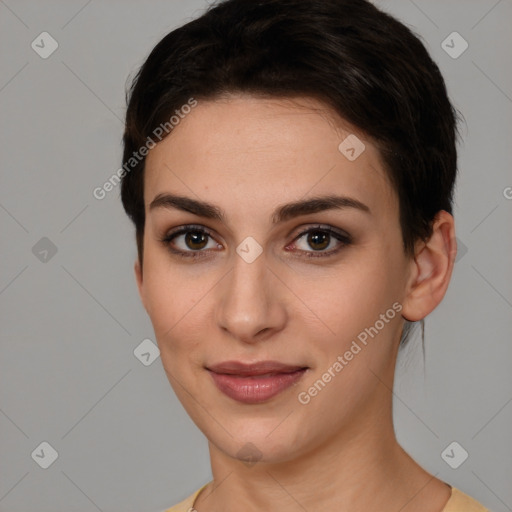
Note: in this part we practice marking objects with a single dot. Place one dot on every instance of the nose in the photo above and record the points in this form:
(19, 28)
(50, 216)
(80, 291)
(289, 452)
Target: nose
(250, 305)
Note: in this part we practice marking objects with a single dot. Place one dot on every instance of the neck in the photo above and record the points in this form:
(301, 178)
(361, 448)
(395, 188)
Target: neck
(362, 468)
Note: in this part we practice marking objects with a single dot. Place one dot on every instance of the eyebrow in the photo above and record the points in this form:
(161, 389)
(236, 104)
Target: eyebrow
(281, 213)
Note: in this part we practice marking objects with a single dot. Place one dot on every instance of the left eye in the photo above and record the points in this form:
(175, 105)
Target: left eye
(320, 239)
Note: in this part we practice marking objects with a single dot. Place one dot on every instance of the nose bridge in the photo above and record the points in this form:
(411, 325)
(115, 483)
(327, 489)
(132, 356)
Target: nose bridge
(248, 304)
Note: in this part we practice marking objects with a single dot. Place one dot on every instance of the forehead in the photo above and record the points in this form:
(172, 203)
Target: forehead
(252, 153)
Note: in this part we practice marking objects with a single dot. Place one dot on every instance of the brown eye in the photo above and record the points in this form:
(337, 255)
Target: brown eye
(189, 241)
(320, 238)
(196, 240)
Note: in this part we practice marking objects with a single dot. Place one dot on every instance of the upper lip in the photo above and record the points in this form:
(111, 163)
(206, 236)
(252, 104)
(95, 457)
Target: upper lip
(258, 368)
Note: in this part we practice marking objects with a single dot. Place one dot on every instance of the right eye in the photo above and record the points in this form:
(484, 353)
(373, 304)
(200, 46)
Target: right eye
(190, 241)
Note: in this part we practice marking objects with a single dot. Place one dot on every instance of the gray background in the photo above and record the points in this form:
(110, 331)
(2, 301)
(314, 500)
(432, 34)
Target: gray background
(72, 320)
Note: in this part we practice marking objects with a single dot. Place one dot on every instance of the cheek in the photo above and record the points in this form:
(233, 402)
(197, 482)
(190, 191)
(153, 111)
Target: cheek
(163, 301)
(168, 295)
(360, 304)
(177, 302)
(355, 295)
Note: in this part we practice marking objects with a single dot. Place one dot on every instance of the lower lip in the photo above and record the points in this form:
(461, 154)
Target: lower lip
(256, 389)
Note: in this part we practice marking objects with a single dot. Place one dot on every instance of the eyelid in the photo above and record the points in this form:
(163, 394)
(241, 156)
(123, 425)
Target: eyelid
(324, 227)
(186, 228)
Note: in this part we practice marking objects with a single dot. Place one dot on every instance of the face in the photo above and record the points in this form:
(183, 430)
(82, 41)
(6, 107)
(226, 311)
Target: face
(314, 288)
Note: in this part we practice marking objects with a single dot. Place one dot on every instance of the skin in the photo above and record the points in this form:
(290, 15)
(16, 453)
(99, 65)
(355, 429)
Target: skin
(248, 155)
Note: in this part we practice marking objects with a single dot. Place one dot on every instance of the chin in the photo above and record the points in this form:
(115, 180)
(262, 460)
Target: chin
(260, 450)
(252, 443)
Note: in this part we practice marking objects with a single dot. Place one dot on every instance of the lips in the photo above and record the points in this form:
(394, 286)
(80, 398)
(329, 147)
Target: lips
(256, 382)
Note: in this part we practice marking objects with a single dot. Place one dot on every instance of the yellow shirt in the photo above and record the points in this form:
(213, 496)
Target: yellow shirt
(458, 502)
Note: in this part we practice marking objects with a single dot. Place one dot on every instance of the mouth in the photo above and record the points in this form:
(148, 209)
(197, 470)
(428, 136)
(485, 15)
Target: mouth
(257, 382)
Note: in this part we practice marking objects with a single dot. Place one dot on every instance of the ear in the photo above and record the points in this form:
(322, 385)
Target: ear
(140, 282)
(431, 269)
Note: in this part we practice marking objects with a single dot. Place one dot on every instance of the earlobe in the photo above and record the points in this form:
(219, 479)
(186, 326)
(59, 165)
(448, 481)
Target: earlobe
(432, 269)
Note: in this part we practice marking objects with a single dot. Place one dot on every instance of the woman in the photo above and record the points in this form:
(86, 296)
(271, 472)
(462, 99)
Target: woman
(289, 168)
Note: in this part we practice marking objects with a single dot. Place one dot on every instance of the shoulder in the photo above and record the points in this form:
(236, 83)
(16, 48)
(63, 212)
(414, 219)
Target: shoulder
(461, 502)
(187, 504)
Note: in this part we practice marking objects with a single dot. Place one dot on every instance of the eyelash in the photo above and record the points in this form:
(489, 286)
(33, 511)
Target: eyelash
(344, 240)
